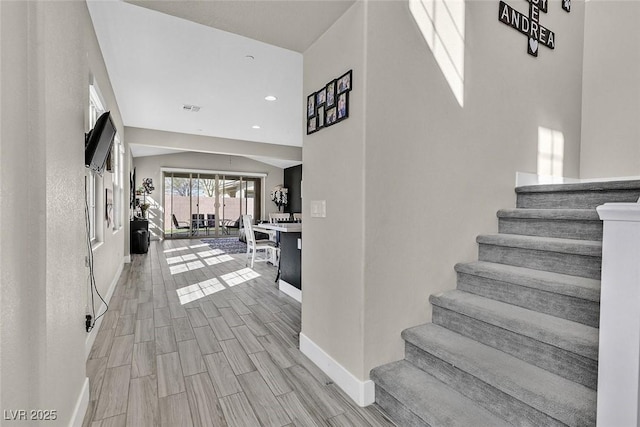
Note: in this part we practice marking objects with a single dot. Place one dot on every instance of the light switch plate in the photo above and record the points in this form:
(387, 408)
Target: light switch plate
(318, 209)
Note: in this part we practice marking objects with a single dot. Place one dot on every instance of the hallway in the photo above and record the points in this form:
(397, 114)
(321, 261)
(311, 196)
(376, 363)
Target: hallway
(226, 356)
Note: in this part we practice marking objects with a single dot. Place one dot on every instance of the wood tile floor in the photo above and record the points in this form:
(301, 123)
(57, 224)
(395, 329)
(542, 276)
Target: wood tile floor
(228, 357)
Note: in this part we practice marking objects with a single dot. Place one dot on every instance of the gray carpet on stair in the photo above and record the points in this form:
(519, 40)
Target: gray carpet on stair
(430, 400)
(547, 393)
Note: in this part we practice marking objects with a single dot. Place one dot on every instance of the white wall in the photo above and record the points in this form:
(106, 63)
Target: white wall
(611, 93)
(48, 53)
(433, 173)
(333, 159)
(150, 167)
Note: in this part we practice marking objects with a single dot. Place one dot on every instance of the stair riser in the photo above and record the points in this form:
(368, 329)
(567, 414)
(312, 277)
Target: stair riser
(563, 229)
(398, 413)
(572, 264)
(559, 361)
(574, 199)
(563, 306)
(492, 399)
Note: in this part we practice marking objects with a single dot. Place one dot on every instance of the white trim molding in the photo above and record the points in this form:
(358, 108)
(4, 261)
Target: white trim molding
(217, 172)
(79, 411)
(362, 392)
(91, 336)
(619, 346)
(290, 290)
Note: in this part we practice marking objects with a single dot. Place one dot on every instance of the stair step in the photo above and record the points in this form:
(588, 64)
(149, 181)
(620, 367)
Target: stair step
(567, 256)
(582, 224)
(519, 392)
(566, 348)
(569, 297)
(577, 196)
(413, 397)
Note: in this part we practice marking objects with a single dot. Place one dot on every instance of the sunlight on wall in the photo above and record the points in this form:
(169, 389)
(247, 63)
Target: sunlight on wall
(442, 25)
(550, 152)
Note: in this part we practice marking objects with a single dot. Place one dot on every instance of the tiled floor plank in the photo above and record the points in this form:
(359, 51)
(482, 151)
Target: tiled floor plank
(237, 411)
(191, 358)
(271, 373)
(170, 379)
(264, 403)
(237, 357)
(222, 376)
(142, 410)
(174, 411)
(205, 407)
(114, 394)
(207, 340)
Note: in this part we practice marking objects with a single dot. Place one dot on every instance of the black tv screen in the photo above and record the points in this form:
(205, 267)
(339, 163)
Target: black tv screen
(98, 143)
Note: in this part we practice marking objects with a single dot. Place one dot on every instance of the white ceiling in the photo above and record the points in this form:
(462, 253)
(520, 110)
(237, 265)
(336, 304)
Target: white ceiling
(290, 24)
(158, 62)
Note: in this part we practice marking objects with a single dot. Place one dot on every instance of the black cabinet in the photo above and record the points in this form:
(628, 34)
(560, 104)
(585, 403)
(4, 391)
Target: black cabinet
(139, 236)
(291, 259)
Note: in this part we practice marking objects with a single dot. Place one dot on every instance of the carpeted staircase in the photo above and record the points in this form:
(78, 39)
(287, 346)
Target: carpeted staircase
(516, 344)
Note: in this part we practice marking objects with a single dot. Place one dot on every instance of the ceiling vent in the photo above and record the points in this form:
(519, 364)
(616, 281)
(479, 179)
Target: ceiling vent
(192, 108)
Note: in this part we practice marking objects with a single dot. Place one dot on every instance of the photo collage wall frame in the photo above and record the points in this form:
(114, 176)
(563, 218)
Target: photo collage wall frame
(330, 104)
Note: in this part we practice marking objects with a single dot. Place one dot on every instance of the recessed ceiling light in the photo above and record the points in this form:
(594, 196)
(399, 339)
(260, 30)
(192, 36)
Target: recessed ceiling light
(255, 127)
(270, 98)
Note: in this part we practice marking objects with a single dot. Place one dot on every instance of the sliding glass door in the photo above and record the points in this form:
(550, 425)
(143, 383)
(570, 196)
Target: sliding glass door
(200, 205)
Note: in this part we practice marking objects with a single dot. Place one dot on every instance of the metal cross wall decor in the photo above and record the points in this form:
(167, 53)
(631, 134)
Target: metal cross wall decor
(530, 25)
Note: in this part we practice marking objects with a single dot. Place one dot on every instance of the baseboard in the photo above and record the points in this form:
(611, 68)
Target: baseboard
(91, 336)
(77, 417)
(290, 290)
(362, 392)
(127, 259)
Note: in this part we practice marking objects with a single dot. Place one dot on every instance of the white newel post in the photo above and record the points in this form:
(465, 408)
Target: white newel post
(619, 352)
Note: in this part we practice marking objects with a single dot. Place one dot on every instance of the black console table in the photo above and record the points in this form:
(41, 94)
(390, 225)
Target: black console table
(139, 236)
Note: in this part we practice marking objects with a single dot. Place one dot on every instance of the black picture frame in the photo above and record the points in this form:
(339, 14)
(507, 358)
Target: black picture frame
(311, 105)
(321, 117)
(321, 97)
(331, 116)
(331, 94)
(342, 107)
(344, 83)
(312, 125)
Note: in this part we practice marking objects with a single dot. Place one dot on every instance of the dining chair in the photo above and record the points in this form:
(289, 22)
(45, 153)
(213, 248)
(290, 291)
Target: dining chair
(178, 225)
(211, 222)
(197, 221)
(279, 217)
(254, 246)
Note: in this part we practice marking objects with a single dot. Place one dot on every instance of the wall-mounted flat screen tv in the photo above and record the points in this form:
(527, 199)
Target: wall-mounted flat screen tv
(98, 143)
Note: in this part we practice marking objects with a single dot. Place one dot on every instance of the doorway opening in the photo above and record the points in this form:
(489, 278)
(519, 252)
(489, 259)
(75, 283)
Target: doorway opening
(208, 204)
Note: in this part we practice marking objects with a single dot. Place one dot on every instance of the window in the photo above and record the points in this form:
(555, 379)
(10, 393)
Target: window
(96, 107)
(117, 156)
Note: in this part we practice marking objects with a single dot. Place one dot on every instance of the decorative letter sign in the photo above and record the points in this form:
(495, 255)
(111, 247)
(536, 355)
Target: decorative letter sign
(530, 25)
